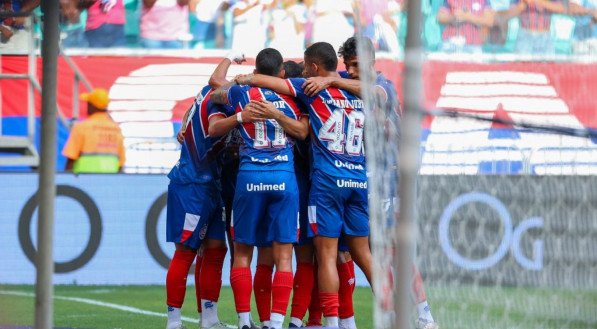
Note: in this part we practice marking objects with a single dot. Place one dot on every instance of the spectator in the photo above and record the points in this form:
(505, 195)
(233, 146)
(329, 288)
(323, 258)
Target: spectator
(534, 36)
(71, 24)
(164, 23)
(466, 25)
(9, 26)
(96, 144)
(288, 28)
(207, 13)
(105, 23)
(498, 32)
(585, 33)
(248, 33)
(332, 23)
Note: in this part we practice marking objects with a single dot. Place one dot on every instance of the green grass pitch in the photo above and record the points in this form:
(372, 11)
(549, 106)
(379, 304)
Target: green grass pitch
(453, 307)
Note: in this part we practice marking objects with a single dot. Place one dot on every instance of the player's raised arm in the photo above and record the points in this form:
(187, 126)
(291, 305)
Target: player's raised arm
(298, 129)
(218, 77)
(265, 81)
(220, 95)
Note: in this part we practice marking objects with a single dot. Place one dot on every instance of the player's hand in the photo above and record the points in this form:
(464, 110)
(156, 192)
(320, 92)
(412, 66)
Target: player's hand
(314, 85)
(249, 114)
(264, 110)
(236, 56)
(243, 79)
(180, 135)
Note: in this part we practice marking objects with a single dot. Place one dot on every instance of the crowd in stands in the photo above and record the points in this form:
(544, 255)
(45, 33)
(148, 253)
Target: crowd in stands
(469, 26)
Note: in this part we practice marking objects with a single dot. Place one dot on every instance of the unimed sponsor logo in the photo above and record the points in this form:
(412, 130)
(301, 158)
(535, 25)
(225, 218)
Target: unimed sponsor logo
(350, 183)
(266, 187)
(348, 165)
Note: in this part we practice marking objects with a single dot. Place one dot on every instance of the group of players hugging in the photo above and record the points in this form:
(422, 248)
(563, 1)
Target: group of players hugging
(275, 160)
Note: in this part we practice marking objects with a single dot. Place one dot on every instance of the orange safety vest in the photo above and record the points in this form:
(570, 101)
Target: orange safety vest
(96, 145)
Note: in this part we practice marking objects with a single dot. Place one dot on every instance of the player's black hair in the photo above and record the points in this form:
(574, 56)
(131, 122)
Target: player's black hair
(323, 54)
(292, 69)
(349, 48)
(269, 62)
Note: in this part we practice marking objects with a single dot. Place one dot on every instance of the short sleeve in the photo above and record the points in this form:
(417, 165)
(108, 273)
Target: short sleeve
(296, 88)
(74, 144)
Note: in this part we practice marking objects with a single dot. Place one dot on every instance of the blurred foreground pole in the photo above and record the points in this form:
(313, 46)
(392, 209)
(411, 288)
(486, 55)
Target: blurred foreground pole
(47, 188)
(409, 163)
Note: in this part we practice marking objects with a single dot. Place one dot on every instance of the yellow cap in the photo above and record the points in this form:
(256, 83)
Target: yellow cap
(98, 97)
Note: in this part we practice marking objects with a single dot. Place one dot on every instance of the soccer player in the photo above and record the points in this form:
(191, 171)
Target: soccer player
(386, 94)
(194, 216)
(265, 208)
(338, 197)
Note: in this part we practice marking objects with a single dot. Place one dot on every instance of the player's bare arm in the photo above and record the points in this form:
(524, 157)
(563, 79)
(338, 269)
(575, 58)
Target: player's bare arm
(183, 127)
(264, 81)
(314, 85)
(218, 77)
(220, 95)
(220, 125)
(298, 129)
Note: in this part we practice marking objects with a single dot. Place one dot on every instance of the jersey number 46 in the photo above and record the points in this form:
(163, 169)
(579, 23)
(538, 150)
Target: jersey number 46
(339, 137)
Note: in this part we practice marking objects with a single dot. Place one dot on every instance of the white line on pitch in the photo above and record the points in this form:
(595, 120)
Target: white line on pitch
(98, 303)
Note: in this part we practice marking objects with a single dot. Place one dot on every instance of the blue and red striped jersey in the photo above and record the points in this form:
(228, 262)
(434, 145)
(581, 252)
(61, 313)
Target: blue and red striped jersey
(266, 145)
(198, 152)
(337, 121)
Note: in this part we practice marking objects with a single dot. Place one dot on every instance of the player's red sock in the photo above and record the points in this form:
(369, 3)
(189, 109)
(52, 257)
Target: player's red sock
(346, 277)
(211, 273)
(329, 303)
(240, 280)
(417, 286)
(314, 307)
(198, 264)
(303, 285)
(176, 279)
(281, 289)
(262, 287)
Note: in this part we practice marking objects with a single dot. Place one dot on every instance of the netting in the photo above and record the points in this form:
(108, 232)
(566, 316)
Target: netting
(506, 192)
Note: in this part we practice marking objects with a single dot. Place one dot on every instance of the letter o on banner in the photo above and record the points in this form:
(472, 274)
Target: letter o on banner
(444, 227)
(95, 222)
(151, 232)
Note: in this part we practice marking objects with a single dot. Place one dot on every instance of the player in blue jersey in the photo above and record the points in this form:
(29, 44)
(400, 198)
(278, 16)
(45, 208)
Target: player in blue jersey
(194, 214)
(265, 209)
(338, 198)
(388, 101)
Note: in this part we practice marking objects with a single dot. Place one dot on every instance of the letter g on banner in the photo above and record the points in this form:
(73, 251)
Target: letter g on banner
(510, 240)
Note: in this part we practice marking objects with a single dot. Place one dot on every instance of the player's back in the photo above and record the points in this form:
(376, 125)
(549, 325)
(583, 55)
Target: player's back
(337, 122)
(266, 145)
(198, 152)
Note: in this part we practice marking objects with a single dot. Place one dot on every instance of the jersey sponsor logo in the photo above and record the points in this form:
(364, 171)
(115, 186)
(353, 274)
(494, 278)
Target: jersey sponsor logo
(345, 103)
(276, 158)
(265, 187)
(348, 165)
(349, 183)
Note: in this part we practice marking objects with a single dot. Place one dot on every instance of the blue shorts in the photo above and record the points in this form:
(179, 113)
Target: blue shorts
(304, 185)
(194, 212)
(265, 208)
(337, 206)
